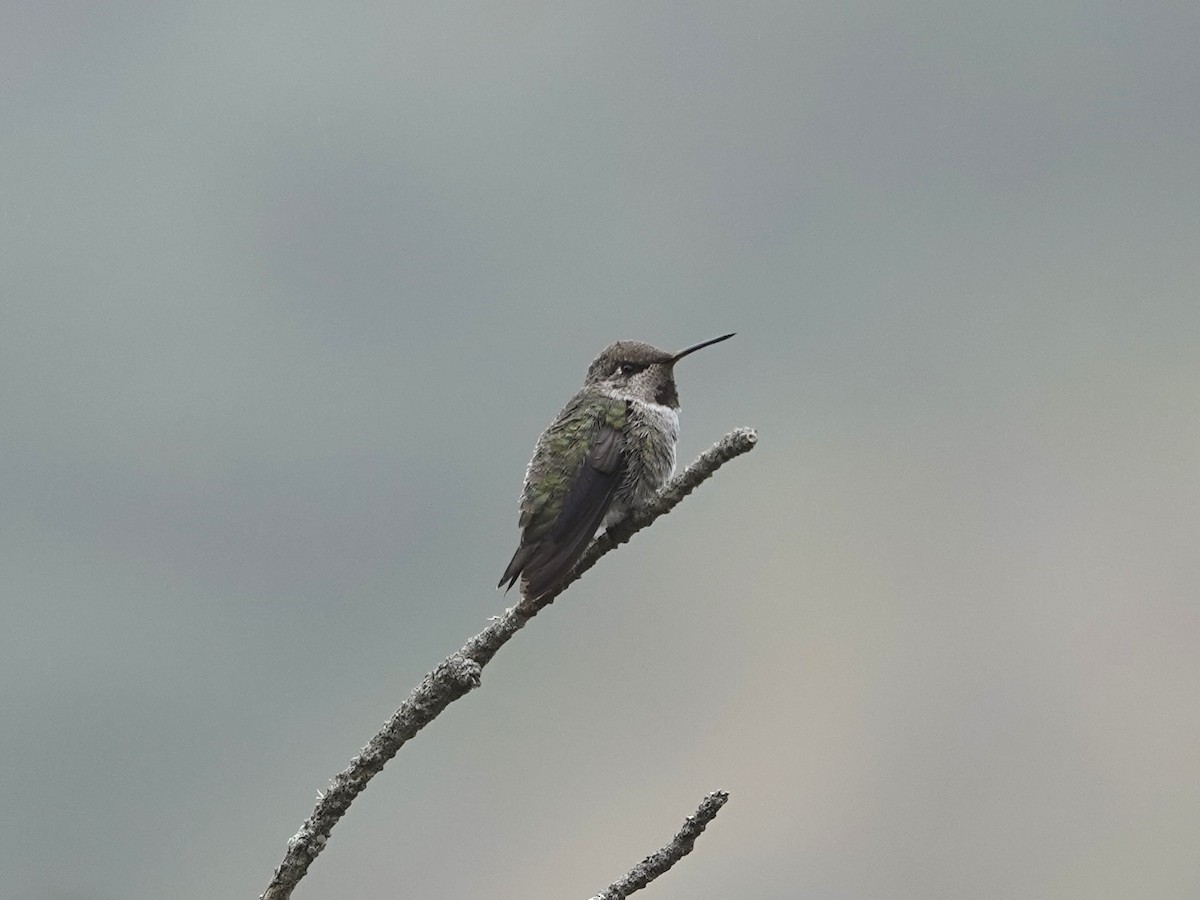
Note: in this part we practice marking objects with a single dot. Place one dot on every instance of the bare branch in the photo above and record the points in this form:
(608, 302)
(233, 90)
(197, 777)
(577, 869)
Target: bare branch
(460, 672)
(681, 845)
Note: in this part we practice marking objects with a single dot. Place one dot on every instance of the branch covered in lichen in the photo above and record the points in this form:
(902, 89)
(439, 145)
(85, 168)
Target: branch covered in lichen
(460, 672)
(681, 845)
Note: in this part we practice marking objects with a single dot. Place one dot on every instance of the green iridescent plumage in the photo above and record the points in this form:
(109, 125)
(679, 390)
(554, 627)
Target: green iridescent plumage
(575, 471)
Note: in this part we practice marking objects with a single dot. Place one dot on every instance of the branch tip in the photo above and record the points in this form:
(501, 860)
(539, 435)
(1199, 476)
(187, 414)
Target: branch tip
(680, 846)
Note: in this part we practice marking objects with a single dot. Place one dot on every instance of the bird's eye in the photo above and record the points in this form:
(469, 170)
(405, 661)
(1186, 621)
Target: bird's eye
(628, 368)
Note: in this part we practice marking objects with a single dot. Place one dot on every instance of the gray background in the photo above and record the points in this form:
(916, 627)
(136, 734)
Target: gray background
(288, 291)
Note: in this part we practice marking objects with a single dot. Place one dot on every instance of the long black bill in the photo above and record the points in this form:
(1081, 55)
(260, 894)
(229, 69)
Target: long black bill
(682, 353)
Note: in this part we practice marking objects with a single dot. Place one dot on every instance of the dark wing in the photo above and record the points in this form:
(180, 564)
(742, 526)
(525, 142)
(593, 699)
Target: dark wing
(589, 497)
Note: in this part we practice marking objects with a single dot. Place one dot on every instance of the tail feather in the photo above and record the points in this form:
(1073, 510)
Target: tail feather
(516, 566)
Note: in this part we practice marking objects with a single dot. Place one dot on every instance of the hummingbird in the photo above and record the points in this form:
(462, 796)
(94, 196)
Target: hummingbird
(608, 453)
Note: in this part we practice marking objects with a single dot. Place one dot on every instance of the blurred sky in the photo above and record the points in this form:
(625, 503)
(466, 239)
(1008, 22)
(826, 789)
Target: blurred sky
(288, 290)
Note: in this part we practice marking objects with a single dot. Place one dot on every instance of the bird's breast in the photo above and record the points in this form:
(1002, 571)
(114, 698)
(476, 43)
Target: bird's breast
(652, 434)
